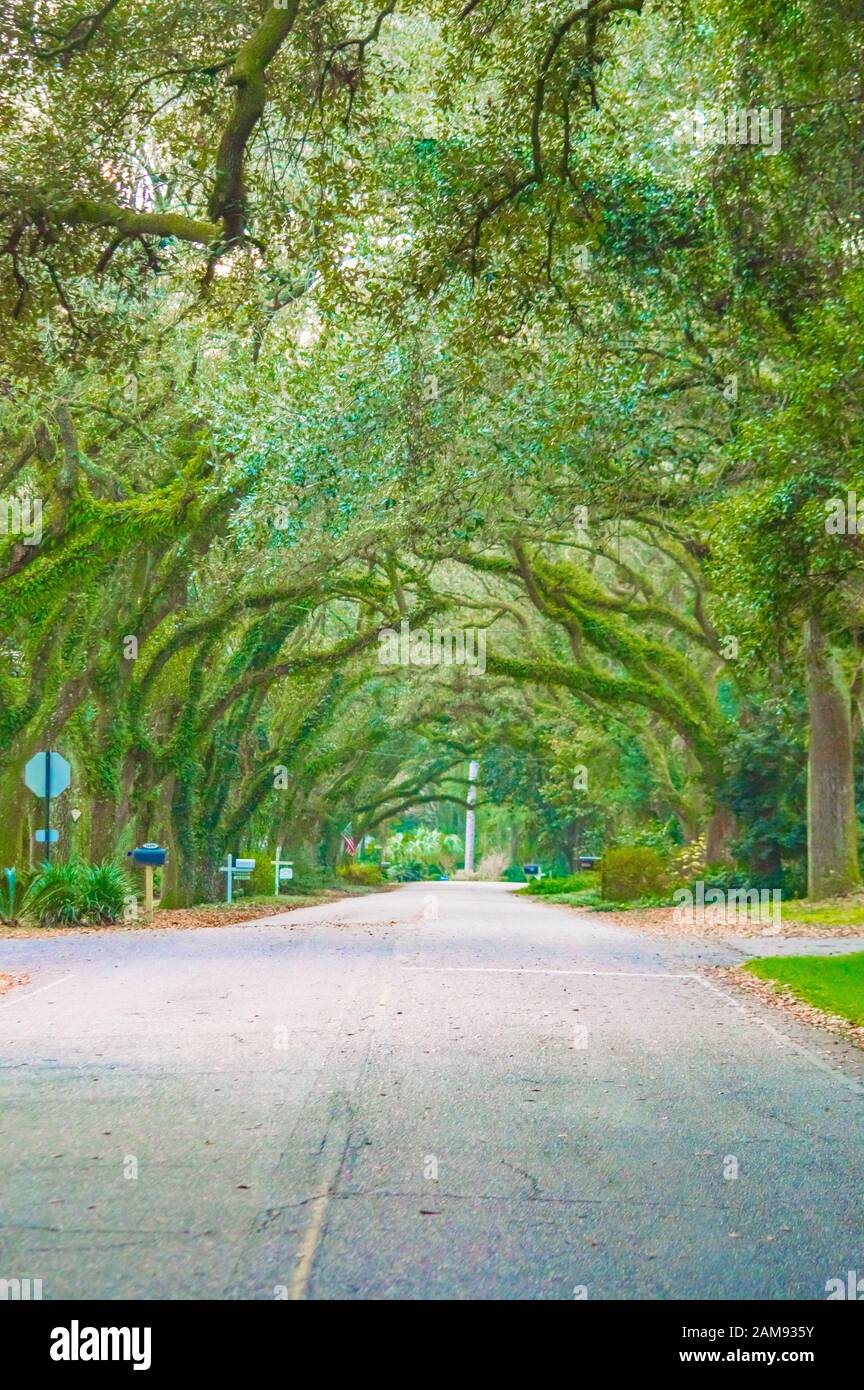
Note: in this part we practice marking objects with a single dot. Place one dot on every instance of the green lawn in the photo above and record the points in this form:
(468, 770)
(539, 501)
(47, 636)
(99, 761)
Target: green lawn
(839, 912)
(834, 984)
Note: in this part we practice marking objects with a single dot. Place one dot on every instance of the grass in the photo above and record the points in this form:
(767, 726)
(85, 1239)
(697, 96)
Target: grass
(836, 912)
(587, 881)
(589, 897)
(583, 890)
(834, 984)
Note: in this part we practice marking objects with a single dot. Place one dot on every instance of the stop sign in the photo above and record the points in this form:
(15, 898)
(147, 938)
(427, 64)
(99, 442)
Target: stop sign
(59, 774)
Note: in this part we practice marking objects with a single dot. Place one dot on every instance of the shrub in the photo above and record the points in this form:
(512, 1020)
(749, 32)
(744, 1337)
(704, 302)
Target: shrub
(259, 884)
(690, 860)
(514, 873)
(569, 883)
(13, 897)
(722, 876)
(422, 845)
(54, 897)
(492, 866)
(794, 881)
(660, 835)
(412, 872)
(103, 893)
(559, 865)
(360, 874)
(589, 897)
(311, 881)
(631, 872)
(66, 894)
(309, 875)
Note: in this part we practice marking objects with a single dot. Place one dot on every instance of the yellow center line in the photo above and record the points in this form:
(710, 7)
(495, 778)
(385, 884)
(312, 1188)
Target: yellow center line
(308, 1245)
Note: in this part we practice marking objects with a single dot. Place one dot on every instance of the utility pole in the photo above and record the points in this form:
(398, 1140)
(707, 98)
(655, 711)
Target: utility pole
(469, 817)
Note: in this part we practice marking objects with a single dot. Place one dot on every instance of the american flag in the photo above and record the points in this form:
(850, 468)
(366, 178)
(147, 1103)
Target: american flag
(350, 844)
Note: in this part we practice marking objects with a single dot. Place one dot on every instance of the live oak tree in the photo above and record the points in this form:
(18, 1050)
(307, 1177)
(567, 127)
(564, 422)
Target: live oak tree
(322, 317)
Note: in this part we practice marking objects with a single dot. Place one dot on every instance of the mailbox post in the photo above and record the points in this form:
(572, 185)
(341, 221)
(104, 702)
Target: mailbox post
(236, 868)
(283, 870)
(150, 856)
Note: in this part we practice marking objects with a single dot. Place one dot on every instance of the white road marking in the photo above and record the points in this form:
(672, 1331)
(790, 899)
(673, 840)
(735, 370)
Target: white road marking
(17, 997)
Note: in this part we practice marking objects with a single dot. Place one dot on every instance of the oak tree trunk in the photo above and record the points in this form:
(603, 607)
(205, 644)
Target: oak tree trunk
(719, 836)
(832, 829)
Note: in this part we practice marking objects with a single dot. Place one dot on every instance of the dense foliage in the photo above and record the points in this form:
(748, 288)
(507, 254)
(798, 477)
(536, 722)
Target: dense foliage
(321, 320)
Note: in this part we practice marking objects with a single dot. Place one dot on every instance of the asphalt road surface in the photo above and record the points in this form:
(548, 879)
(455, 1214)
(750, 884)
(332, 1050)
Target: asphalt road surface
(441, 1092)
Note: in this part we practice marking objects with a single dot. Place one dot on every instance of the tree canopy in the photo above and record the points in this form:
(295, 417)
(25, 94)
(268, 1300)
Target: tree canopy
(322, 318)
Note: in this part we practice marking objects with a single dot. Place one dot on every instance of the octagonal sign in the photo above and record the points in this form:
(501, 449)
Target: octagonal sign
(58, 770)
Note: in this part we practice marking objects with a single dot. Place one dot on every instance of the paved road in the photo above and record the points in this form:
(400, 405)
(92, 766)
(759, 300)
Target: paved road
(445, 1091)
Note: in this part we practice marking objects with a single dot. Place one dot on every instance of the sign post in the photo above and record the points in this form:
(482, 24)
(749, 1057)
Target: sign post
(47, 774)
(283, 870)
(236, 868)
(48, 808)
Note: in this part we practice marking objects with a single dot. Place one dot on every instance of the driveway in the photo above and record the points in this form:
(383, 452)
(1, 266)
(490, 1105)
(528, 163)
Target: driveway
(443, 1092)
